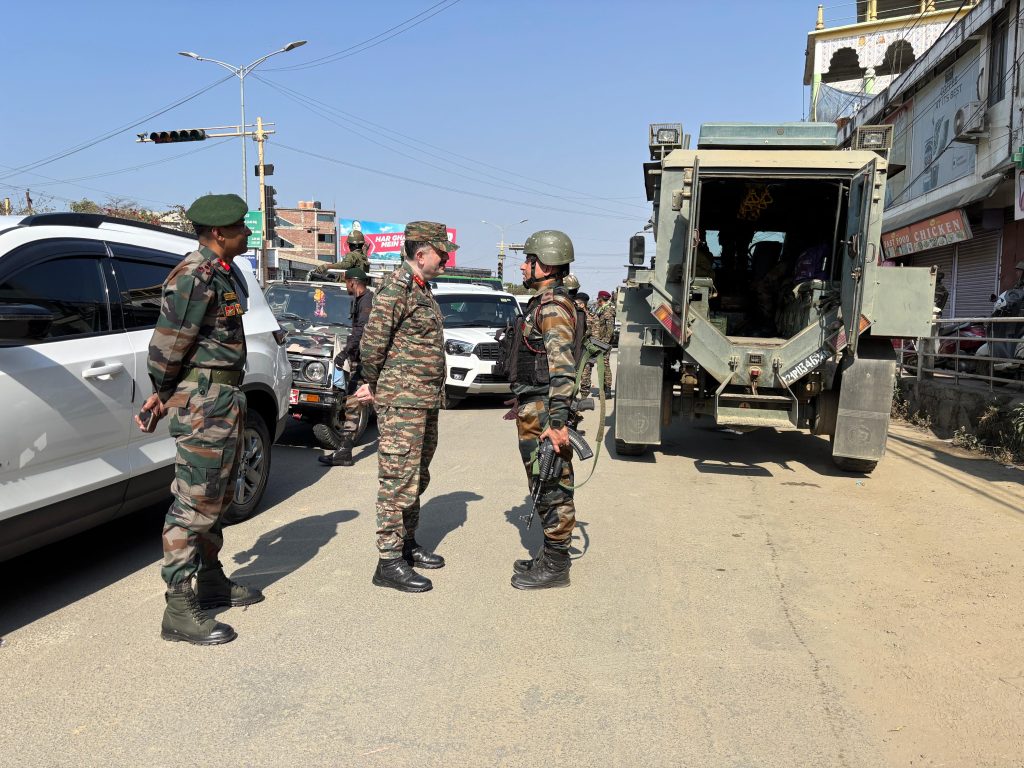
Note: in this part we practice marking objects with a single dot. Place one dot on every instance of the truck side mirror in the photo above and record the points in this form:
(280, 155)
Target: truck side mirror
(637, 250)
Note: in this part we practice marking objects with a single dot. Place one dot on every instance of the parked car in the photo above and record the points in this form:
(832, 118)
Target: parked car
(472, 316)
(315, 315)
(79, 297)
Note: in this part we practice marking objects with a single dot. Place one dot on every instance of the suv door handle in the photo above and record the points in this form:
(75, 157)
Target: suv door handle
(103, 370)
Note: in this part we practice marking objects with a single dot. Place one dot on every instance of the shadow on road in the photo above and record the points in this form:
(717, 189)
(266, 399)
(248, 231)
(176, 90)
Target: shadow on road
(54, 577)
(442, 515)
(533, 538)
(285, 549)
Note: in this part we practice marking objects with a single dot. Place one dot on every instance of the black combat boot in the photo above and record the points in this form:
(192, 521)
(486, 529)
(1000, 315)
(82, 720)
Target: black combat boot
(341, 457)
(418, 557)
(184, 619)
(551, 571)
(522, 566)
(397, 574)
(215, 590)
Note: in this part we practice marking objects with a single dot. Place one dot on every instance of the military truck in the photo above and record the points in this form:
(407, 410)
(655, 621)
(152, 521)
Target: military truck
(767, 302)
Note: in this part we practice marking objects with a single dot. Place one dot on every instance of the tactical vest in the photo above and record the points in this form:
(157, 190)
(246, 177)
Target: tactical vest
(522, 357)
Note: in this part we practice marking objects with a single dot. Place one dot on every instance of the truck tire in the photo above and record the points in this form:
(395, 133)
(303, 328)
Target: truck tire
(329, 433)
(862, 466)
(253, 470)
(630, 449)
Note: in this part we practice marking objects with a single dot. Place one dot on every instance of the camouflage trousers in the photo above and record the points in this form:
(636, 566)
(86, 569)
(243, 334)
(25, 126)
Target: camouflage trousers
(348, 409)
(555, 509)
(206, 421)
(408, 440)
(586, 378)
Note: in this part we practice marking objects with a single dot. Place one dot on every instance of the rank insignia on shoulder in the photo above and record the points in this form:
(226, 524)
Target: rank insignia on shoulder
(205, 271)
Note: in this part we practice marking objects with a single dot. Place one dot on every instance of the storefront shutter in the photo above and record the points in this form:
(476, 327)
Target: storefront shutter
(977, 273)
(943, 259)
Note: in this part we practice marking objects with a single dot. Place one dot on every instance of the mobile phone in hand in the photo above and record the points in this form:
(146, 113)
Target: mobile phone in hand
(148, 419)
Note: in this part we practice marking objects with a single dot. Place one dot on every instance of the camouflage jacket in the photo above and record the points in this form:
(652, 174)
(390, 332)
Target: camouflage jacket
(355, 259)
(604, 322)
(402, 349)
(200, 323)
(550, 322)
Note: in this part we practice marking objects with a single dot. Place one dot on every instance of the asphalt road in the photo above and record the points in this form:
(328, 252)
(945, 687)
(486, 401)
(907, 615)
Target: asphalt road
(735, 601)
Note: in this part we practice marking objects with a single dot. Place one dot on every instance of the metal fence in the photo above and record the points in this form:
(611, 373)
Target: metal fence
(983, 349)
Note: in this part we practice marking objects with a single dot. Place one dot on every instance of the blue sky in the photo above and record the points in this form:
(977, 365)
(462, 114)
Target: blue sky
(511, 110)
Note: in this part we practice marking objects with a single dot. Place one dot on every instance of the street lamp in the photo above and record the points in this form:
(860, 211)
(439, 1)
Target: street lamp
(240, 73)
(501, 245)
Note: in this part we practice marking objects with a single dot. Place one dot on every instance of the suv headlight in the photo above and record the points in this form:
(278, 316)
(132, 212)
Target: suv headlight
(315, 371)
(460, 348)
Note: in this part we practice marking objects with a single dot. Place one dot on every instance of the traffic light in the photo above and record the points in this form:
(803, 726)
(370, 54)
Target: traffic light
(171, 137)
(269, 212)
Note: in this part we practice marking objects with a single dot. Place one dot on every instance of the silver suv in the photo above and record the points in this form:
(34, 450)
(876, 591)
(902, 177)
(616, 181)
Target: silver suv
(79, 296)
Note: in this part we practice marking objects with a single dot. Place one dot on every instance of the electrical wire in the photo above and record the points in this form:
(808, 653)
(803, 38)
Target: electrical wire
(114, 132)
(369, 43)
(486, 177)
(446, 188)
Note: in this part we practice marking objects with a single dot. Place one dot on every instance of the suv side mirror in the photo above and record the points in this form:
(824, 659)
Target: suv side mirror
(637, 250)
(20, 322)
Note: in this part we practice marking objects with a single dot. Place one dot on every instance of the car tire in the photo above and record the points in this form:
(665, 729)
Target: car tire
(253, 470)
(328, 433)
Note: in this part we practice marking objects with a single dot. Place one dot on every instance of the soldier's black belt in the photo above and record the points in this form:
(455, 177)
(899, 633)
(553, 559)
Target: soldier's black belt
(216, 376)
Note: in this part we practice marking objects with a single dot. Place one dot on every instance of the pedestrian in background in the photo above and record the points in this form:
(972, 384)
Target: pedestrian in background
(347, 409)
(402, 353)
(543, 379)
(196, 361)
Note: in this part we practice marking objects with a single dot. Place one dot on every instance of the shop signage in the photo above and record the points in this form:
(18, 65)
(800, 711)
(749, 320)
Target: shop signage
(944, 229)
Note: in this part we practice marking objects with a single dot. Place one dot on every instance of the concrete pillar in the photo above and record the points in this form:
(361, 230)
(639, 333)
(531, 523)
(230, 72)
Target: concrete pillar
(872, 10)
(820, 23)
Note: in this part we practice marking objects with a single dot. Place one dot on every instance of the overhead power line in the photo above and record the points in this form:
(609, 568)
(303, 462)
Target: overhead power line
(457, 191)
(372, 42)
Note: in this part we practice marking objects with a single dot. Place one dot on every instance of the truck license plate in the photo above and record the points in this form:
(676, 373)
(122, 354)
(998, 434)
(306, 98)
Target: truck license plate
(293, 397)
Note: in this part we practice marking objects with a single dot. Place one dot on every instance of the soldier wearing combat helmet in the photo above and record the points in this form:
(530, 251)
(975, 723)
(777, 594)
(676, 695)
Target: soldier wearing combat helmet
(356, 252)
(196, 359)
(543, 377)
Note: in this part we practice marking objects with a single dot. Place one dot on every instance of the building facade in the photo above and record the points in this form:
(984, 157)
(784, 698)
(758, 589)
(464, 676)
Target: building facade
(304, 237)
(955, 113)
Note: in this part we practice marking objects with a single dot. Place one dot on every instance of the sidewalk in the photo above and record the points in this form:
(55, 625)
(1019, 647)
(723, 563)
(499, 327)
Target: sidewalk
(952, 404)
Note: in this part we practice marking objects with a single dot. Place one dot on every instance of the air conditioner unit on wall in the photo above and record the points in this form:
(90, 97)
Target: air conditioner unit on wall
(969, 123)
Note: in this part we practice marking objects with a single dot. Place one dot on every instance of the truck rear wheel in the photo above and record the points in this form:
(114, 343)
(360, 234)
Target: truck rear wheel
(630, 449)
(863, 466)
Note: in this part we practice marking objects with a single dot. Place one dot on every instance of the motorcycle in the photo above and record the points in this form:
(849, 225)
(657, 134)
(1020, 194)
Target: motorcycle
(1010, 346)
(955, 343)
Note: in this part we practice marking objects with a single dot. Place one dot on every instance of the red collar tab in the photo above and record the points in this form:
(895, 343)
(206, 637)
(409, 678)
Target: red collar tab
(418, 280)
(223, 264)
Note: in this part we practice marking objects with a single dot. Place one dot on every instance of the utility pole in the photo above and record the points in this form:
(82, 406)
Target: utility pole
(502, 244)
(261, 136)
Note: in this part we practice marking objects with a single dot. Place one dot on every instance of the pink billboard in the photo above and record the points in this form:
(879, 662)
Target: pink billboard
(383, 240)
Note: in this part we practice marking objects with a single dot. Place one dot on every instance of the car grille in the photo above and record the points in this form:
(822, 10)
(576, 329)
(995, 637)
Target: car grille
(490, 378)
(487, 351)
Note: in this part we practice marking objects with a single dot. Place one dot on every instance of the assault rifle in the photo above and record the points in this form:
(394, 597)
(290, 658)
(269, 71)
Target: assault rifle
(550, 464)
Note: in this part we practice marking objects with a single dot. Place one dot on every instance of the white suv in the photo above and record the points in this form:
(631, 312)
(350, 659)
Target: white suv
(472, 315)
(79, 296)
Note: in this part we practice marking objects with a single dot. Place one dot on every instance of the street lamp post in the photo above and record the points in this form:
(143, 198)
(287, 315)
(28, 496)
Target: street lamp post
(501, 245)
(240, 73)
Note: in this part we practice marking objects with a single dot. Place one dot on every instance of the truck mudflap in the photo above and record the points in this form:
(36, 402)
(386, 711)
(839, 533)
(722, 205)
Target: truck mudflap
(639, 378)
(865, 401)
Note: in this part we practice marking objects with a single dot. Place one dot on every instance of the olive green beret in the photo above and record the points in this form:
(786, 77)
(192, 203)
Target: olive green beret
(217, 210)
(356, 273)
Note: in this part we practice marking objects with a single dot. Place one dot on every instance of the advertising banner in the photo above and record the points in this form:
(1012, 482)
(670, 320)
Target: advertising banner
(383, 240)
(950, 227)
(936, 159)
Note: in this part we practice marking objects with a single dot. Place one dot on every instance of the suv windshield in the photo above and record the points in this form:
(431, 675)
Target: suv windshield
(304, 305)
(477, 310)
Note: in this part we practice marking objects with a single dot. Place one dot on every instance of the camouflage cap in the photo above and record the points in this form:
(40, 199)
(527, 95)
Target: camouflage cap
(356, 273)
(431, 232)
(217, 210)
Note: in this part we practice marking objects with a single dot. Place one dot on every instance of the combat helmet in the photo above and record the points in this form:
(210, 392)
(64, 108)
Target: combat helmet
(550, 246)
(355, 239)
(571, 283)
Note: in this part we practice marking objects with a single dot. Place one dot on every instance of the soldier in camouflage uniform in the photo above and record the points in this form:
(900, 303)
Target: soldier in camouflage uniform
(196, 361)
(355, 258)
(348, 409)
(542, 370)
(402, 353)
(603, 328)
